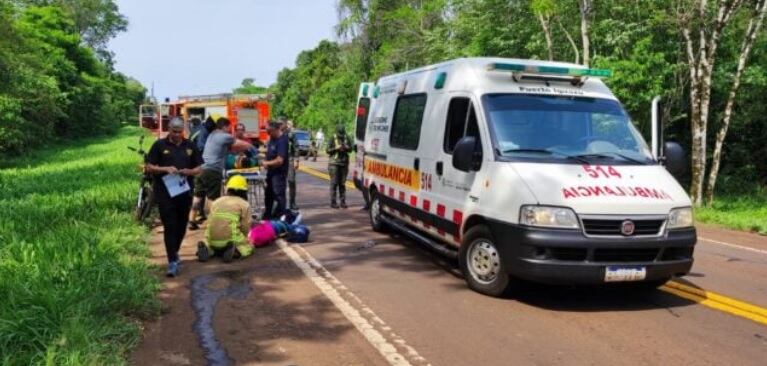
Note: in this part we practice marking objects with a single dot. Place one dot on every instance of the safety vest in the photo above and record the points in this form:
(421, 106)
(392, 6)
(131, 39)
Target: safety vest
(218, 235)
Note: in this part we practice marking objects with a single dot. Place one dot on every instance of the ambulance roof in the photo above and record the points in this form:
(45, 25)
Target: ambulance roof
(476, 75)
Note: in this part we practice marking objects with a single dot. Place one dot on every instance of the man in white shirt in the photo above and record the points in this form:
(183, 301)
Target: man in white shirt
(320, 137)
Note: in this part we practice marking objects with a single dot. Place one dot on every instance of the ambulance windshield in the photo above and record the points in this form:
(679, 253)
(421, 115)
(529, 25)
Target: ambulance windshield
(532, 127)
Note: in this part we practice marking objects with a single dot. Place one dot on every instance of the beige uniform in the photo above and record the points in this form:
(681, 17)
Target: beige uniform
(229, 221)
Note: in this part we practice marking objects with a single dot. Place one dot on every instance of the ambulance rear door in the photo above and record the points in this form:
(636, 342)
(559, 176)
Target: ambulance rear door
(364, 101)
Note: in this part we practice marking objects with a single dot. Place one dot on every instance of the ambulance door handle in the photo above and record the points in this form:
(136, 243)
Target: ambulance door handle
(417, 164)
(439, 168)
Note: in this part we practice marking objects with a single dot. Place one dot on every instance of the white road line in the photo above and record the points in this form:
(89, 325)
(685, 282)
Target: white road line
(734, 245)
(332, 288)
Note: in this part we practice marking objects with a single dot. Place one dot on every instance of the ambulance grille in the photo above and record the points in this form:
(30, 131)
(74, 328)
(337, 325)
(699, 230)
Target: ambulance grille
(612, 227)
(626, 255)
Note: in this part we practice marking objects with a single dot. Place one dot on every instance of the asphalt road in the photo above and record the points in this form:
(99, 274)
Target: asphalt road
(355, 297)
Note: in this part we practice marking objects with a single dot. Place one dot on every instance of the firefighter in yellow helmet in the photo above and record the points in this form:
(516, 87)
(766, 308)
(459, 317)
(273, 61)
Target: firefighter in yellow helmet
(228, 224)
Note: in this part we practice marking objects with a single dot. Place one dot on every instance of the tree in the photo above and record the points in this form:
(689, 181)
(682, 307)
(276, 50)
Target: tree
(754, 25)
(248, 86)
(53, 84)
(709, 21)
(585, 7)
(544, 9)
(332, 104)
(97, 21)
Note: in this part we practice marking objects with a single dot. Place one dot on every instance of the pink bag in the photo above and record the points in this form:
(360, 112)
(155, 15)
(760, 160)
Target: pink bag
(261, 234)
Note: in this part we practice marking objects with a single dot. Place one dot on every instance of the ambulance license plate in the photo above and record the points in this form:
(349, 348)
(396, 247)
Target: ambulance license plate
(625, 273)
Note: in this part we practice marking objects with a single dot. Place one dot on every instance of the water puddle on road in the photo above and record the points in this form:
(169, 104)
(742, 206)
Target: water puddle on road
(207, 291)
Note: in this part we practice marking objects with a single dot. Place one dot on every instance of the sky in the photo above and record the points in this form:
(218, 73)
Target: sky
(191, 47)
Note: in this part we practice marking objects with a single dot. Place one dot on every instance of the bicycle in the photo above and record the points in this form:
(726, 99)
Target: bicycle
(145, 199)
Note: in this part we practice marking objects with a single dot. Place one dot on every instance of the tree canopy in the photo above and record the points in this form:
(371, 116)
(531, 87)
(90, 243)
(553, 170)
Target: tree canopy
(54, 82)
(641, 41)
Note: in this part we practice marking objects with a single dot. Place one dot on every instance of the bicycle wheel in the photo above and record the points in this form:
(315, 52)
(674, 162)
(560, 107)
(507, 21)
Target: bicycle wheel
(144, 204)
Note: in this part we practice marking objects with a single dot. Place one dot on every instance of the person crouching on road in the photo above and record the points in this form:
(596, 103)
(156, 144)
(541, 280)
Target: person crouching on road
(174, 155)
(339, 147)
(228, 225)
(276, 164)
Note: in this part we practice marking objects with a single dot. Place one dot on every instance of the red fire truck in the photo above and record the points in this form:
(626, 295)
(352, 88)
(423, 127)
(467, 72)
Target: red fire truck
(252, 110)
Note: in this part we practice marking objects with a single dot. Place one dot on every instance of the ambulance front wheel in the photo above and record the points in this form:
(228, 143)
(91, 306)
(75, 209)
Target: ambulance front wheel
(376, 212)
(481, 262)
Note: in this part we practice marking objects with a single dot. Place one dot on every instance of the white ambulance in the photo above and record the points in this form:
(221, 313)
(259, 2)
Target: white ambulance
(523, 169)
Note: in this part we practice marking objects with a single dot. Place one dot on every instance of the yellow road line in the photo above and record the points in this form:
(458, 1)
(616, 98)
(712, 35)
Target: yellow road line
(717, 301)
(700, 296)
(321, 175)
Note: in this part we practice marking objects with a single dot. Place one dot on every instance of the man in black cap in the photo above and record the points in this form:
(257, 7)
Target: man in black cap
(178, 158)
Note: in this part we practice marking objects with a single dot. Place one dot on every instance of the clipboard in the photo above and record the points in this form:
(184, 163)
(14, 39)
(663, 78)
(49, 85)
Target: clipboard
(176, 184)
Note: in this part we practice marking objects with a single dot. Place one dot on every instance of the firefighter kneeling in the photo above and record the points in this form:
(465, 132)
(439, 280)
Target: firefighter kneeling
(228, 224)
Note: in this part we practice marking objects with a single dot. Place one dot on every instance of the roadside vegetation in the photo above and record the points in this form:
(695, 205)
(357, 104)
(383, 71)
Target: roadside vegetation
(57, 80)
(746, 212)
(74, 279)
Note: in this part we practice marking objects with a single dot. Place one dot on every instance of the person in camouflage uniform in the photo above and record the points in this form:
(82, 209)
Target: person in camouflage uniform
(339, 147)
(313, 148)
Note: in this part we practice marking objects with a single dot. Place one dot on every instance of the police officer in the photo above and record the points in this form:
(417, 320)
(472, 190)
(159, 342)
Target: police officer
(276, 164)
(339, 148)
(293, 155)
(174, 155)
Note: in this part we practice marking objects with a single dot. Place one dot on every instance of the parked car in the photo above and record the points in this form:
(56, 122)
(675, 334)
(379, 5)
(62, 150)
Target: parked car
(304, 142)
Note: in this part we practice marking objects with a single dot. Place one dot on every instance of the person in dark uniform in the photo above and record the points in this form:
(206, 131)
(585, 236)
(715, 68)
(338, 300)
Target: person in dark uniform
(293, 163)
(179, 156)
(276, 163)
(339, 147)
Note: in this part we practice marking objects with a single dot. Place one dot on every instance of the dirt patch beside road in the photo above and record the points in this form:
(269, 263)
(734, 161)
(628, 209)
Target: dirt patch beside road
(260, 310)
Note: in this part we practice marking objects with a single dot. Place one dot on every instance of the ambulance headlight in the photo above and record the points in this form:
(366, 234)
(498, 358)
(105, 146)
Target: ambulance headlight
(547, 216)
(680, 217)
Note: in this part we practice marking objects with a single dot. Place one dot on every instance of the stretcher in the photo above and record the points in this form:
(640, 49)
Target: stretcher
(256, 182)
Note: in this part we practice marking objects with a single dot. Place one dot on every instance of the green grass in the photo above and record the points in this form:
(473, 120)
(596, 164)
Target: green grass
(74, 275)
(741, 212)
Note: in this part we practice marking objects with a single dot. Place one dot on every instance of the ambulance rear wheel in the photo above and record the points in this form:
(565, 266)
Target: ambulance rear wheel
(376, 212)
(481, 262)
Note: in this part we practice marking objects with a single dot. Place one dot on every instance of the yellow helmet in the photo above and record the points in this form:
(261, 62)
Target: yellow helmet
(237, 182)
(215, 116)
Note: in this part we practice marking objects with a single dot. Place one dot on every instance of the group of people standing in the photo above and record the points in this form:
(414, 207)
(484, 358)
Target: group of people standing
(185, 175)
(197, 166)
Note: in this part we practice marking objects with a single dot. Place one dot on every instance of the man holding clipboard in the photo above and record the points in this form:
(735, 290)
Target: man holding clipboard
(173, 161)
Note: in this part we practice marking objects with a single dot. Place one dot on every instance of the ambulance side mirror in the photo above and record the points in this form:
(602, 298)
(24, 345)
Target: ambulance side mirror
(467, 156)
(674, 159)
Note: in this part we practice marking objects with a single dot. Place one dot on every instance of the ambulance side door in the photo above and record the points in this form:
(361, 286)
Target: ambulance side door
(452, 186)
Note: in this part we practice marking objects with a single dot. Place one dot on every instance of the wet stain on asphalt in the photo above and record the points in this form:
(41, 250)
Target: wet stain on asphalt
(205, 297)
(369, 244)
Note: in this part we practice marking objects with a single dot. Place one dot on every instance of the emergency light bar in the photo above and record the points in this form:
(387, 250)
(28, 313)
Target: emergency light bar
(554, 70)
